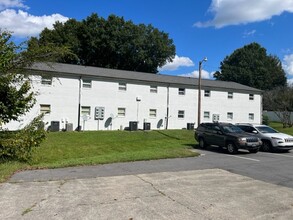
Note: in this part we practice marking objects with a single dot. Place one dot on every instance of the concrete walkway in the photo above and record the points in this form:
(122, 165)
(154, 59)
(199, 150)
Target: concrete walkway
(192, 194)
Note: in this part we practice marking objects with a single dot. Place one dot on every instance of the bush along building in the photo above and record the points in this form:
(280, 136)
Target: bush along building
(74, 97)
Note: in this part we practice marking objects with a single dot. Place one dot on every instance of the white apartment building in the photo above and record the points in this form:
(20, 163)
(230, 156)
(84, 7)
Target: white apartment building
(92, 98)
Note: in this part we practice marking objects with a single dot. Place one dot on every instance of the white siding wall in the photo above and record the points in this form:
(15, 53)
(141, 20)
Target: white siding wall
(108, 95)
(63, 97)
(186, 103)
(239, 105)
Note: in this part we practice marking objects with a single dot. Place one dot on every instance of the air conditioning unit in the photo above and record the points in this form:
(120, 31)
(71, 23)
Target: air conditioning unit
(55, 126)
(146, 126)
(190, 126)
(69, 127)
(133, 126)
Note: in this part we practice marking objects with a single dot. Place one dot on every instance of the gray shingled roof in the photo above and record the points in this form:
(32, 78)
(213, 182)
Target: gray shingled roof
(122, 75)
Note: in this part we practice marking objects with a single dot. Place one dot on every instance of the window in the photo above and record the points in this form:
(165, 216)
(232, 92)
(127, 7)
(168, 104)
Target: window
(230, 95)
(230, 115)
(45, 109)
(85, 110)
(207, 93)
(251, 97)
(121, 112)
(181, 91)
(251, 116)
(206, 115)
(181, 114)
(153, 113)
(153, 89)
(122, 86)
(46, 80)
(87, 83)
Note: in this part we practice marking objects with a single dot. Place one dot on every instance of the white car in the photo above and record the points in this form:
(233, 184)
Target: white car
(271, 138)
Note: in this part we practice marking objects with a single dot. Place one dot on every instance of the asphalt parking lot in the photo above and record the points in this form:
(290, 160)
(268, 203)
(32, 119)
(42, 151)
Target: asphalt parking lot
(215, 185)
(274, 167)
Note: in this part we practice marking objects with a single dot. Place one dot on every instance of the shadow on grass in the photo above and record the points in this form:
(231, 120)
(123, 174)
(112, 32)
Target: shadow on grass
(169, 136)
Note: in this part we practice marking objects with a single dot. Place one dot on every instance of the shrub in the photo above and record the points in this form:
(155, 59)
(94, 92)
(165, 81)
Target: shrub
(19, 145)
(265, 120)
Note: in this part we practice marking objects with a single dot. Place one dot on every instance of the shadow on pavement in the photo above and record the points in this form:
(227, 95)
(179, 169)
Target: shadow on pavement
(216, 149)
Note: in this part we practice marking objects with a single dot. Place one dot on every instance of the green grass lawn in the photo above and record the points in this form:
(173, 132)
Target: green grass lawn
(62, 149)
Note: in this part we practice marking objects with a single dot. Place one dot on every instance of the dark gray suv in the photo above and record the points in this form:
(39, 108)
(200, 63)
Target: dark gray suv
(226, 135)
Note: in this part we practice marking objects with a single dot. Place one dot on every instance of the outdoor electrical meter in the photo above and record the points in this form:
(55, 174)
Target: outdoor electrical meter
(216, 117)
(99, 113)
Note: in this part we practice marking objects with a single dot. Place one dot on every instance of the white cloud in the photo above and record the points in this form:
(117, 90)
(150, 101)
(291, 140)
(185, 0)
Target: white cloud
(249, 33)
(22, 24)
(235, 12)
(4, 4)
(288, 64)
(204, 74)
(176, 63)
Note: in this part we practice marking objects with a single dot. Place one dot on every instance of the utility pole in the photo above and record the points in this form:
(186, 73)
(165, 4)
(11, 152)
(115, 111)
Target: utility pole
(199, 90)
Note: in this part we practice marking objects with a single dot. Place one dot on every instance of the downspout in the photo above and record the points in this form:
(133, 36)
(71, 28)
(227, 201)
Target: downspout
(261, 108)
(167, 115)
(79, 101)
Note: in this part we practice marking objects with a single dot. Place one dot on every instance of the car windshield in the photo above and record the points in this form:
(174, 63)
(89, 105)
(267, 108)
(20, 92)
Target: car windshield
(266, 129)
(231, 129)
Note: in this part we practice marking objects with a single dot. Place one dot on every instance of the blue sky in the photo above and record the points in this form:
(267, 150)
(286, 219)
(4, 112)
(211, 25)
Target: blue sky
(210, 28)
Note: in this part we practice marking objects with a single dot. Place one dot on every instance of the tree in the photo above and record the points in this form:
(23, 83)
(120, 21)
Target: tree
(63, 36)
(280, 101)
(112, 43)
(16, 96)
(251, 66)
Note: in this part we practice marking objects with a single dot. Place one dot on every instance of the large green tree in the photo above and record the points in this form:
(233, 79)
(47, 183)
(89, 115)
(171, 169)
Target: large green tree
(252, 66)
(111, 43)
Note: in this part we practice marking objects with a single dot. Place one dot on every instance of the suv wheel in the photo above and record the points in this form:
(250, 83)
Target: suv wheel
(231, 148)
(202, 143)
(266, 146)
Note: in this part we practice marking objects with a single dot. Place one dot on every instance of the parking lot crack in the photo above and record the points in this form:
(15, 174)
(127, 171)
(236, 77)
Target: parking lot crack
(165, 195)
(37, 204)
(153, 186)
